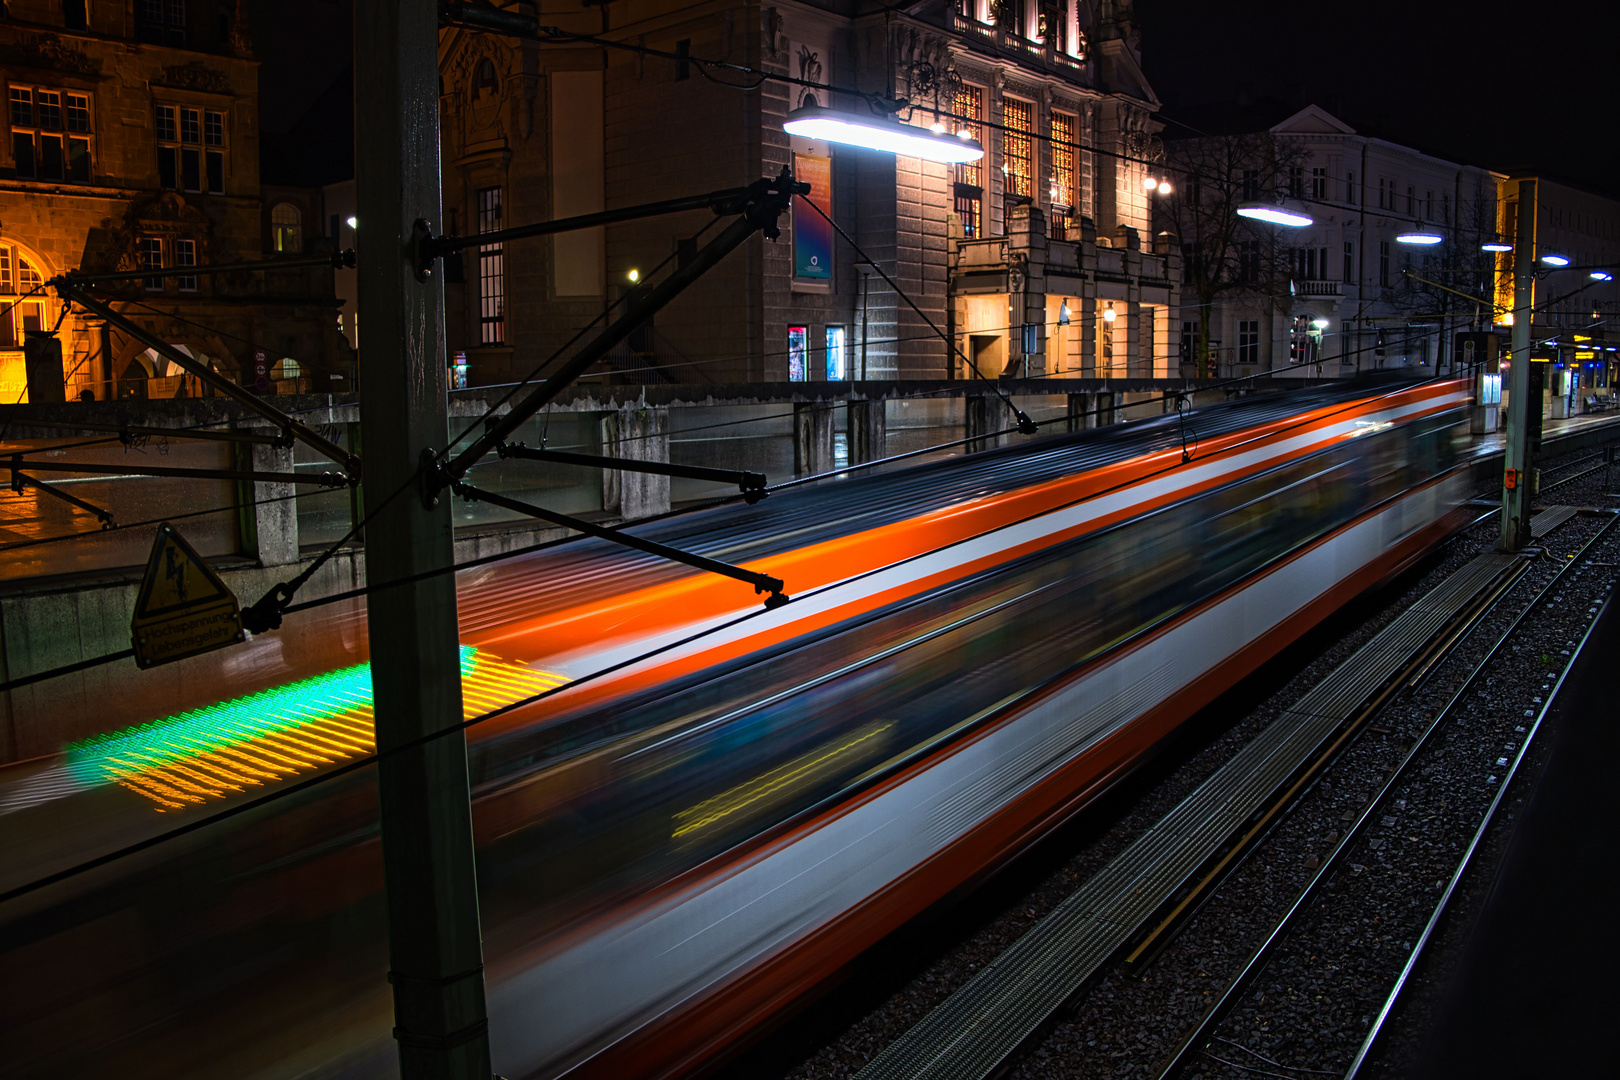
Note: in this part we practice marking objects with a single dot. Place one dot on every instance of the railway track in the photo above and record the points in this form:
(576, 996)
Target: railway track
(1200, 1040)
(1170, 946)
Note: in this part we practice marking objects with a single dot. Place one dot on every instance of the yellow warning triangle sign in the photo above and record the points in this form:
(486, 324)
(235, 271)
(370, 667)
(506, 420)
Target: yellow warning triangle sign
(183, 607)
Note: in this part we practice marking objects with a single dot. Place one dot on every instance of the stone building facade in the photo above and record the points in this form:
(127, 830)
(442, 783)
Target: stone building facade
(134, 143)
(1018, 258)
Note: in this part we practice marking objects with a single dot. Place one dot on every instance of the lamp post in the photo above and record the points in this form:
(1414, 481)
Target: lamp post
(1516, 456)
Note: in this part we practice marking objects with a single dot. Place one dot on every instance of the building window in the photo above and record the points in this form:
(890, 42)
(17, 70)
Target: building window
(1349, 262)
(1386, 193)
(1248, 262)
(185, 254)
(1248, 341)
(798, 347)
(491, 272)
(50, 134)
(1296, 181)
(286, 229)
(835, 353)
(191, 148)
(1319, 184)
(25, 312)
(1411, 199)
(160, 22)
(1350, 188)
(75, 14)
(150, 251)
(969, 109)
(1251, 184)
(1063, 201)
(1383, 263)
(1017, 146)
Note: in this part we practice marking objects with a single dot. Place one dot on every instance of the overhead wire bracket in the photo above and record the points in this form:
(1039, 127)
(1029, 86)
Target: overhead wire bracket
(21, 480)
(750, 484)
(762, 583)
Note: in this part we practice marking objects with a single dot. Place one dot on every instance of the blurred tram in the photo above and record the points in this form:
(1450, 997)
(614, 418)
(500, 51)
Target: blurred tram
(690, 809)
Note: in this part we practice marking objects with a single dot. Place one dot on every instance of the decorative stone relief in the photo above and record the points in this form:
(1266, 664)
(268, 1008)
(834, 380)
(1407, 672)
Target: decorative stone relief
(48, 51)
(195, 76)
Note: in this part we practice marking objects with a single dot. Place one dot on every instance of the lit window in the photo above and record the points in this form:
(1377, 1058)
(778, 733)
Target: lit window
(1063, 152)
(835, 353)
(286, 229)
(969, 109)
(286, 368)
(1016, 145)
(491, 272)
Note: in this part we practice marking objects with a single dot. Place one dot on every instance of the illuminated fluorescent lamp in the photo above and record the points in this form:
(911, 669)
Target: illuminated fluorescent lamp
(1274, 214)
(1419, 235)
(1555, 260)
(1602, 275)
(875, 133)
(1496, 246)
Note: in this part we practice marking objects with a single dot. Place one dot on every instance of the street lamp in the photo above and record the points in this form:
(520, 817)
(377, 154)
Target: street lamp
(1555, 260)
(1275, 214)
(1496, 246)
(1420, 236)
(1602, 275)
(881, 133)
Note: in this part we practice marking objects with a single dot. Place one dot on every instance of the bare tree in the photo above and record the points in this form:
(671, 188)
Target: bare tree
(1223, 253)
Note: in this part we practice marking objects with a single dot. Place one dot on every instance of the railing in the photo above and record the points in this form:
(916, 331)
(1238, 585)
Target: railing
(1111, 261)
(1320, 288)
(1015, 43)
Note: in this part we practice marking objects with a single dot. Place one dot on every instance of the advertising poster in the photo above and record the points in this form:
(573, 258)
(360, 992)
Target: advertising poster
(798, 346)
(812, 233)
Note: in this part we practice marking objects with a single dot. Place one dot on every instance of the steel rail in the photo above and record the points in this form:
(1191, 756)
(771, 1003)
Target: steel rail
(1198, 1038)
(1377, 1028)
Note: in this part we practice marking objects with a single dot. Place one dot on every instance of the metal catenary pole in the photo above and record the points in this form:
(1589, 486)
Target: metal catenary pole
(1517, 464)
(435, 946)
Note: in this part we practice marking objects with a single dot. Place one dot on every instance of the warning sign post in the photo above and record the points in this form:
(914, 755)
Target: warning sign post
(183, 607)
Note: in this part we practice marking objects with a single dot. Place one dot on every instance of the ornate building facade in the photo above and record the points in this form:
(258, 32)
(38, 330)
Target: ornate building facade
(134, 144)
(1037, 260)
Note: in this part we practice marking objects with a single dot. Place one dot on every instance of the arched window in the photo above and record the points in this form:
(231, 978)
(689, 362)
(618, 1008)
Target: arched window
(484, 78)
(286, 368)
(286, 228)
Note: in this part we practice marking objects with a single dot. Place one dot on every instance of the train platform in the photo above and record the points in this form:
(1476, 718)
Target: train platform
(1533, 992)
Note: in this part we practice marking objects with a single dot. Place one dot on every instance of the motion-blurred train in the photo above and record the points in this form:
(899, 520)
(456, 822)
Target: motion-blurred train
(698, 808)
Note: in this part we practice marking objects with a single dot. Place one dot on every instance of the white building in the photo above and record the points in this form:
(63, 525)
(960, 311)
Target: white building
(1335, 297)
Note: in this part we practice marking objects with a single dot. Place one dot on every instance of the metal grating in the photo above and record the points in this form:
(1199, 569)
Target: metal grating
(978, 1026)
(1550, 518)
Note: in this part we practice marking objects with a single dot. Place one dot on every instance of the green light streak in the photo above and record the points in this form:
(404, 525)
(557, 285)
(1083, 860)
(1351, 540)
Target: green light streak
(231, 723)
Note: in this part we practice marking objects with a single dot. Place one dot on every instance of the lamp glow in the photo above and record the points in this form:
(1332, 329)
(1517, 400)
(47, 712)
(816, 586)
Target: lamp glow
(1149, 183)
(353, 222)
(634, 276)
(1320, 324)
(1421, 236)
(1602, 275)
(1274, 214)
(1555, 260)
(1110, 315)
(1496, 247)
(1164, 187)
(829, 125)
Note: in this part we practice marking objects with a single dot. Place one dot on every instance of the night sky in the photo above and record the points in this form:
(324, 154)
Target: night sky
(1508, 86)
(1529, 86)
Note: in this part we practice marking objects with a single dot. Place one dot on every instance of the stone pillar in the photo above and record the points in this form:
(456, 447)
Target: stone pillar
(1027, 242)
(639, 434)
(986, 413)
(812, 437)
(1105, 408)
(867, 430)
(269, 529)
(1081, 417)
